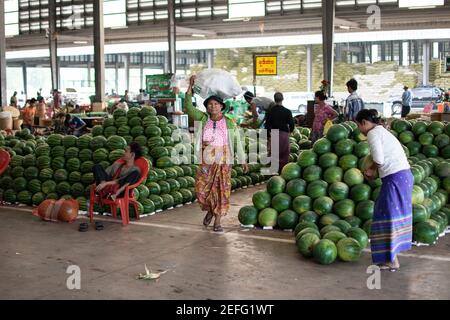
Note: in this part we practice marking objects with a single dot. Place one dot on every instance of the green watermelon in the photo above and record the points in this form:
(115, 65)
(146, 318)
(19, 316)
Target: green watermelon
(336, 133)
(281, 202)
(426, 232)
(261, 200)
(87, 178)
(168, 201)
(334, 236)
(348, 162)
(420, 213)
(419, 127)
(325, 252)
(84, 142)
(276, 185)
(147, 111)
(323, 205)
(365, 209)
(74, 176)
(312, 173)
(31, 173)
(359, 235)
(287, 220)
(98, 130)
(116, 155)
(322, 146)
(309, 216)
(360, 192)
(25, 197)
(418, 195)
(328, 219)
(338, 191)
(302, 204)
(414, 147)
(344, 208)
(317, 189)
(307, 158)
(10, 196)
(329, 228)
(296, 187)
(333, 174)
(306, 244)
(116, 142)
(426, 139)
(248, 215)
(303, 225)
(54, 140)
(344, 147)
(353, 221)
(353, 177)
(268, 217)
(436, 128)
(328, 160)
(19, 184)
(349, 249)
(291, 171)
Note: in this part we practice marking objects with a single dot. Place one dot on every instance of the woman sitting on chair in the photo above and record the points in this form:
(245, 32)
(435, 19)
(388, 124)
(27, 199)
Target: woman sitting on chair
(113, 181)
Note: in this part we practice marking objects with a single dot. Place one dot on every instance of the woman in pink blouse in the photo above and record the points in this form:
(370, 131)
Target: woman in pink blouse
(322, 113)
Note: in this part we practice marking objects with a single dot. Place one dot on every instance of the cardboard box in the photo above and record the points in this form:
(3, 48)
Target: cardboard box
(98, 107)
(436, 117)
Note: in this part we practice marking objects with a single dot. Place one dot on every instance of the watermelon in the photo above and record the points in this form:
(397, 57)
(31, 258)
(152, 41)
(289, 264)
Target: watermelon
(323, 205)
(48, 186)
(74, 176)
(328, 160)
(343, 225)
(69, 141)
(344, 208)
(322, 146)
(309, 216)
(420, 213)
(17, 172)
(328, 219)
(400, 125)
(147, 111)
(60, 175)
(157, 201)
(338, 191)
(336, 133)
(121, 121)
(344, 147)
(348, 162)
(334, 236)
(325, 252)
(29, 161)
(436, 128)
(353, 221)
(360, 192)
(153, 131)
(287, 220)
(10, 196)
(306, 244)
(349, 249)
(261, 200)
(268, 217)
(306, 231)
(16, 161)
(426, 139)
(116, 155)
(445, 152)
(276, 185)
(442, 170)
(115, 142)
(414, 147)
(281, 202)
(364, 210)
(42, 150)
(333, 174)
(84, 142)
(307, 158)
(296, 187)
(426, 232)
(302, 204)
(168, 201)
(85, 155)
(31, 173)
(87, 178)
(430, 151)
(54, 140)
(98, 129)
(24, 197)
(19, 184)
(317, 189)
(77, 189)
(303, 225)
(419, 127)
(329, 228)
(418, 195)
(291, 171)
(353, 177)
(248, 215)
(359, 235)
(312, 173)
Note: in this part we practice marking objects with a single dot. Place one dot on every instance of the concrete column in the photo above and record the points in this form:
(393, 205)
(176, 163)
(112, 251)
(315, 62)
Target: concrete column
(392, 51)
(89, 73)
(210, 58)
(172, 37)
(99, 51)
(166, 62)
(126, 64)
(3, 93)
(53, 43)
(383, 51)
(426, 62)
(309, 68)
(328, 16)
(117, 77)
(400, 53)
(25, 79)
(141, 69)
(363, 52)
(416, 51)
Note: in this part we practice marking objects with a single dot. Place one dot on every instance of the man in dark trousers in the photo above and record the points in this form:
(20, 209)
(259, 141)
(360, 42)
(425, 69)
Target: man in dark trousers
(280, 118)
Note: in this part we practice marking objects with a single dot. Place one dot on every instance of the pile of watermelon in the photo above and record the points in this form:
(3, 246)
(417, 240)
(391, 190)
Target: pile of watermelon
(299, 140)
(325, 199)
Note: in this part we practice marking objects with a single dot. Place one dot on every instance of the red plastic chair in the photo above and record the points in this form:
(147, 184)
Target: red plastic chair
(124, 202)
(5, 158)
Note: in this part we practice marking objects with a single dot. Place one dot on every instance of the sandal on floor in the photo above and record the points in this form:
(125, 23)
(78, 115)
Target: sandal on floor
(207, 221)
(83, 227)
(99, 225)
(218, 229)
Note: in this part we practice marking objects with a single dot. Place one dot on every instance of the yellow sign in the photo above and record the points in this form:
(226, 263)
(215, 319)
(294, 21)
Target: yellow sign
(266, 65)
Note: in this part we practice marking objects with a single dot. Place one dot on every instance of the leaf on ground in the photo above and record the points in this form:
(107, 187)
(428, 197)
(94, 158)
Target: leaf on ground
(149, 275)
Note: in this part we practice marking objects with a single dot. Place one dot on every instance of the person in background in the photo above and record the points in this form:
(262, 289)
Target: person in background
(56, 100)
(280, 118)
(75, 125)
(322, 113)
(140, 97)
(122, 104)
(13, 100)
(126, 98)
(354, 103)
(253, 123)
(59, 126)
(39, 95)
(215, 143)
(118, 176)
(391, 229)
(40, 111)
(406, 102)
(28, 114)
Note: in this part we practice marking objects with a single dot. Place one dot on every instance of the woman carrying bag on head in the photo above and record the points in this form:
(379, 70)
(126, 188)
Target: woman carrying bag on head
(391, 229)
(217, 141)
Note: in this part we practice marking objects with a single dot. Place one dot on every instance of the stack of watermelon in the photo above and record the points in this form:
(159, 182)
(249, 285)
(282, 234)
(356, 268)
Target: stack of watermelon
(299, 140)
(324, 193)
(427, 145)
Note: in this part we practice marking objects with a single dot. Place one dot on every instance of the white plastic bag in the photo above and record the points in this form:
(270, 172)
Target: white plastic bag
(216, 82)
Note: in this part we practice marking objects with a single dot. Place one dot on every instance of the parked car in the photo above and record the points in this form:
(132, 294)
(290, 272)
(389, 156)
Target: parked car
(421, 97)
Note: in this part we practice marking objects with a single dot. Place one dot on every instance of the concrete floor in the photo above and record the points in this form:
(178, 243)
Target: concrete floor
(200, 264)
